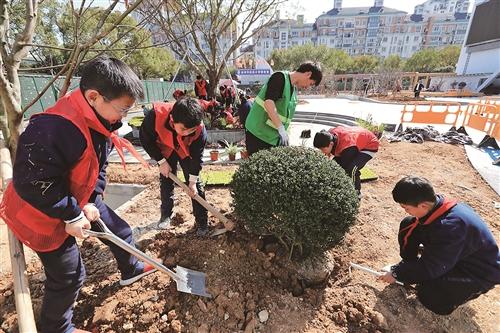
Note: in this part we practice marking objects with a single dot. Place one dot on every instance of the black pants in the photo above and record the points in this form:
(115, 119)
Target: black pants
(417, 93)
(167, 192)
(352, 161)
(444, 294)
(254, 144)
(65, 272)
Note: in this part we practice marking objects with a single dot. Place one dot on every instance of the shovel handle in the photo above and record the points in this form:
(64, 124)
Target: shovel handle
(371, 271)
(107, 234)
(202, 201)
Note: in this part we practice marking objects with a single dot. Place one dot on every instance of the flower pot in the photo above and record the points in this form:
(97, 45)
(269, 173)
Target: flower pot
(244, 154)
(232, 157)
(214, 155)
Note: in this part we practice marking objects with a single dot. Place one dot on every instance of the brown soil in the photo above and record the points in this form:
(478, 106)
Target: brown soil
(247, 275)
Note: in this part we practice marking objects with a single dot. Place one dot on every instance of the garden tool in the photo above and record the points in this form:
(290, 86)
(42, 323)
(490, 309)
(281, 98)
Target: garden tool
(187, 280)
(228, 225)
(368, 270)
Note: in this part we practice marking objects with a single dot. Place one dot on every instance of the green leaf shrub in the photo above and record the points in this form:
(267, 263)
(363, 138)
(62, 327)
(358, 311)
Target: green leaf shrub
(297, 195)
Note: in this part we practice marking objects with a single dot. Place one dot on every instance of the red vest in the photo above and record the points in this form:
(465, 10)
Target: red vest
(165, 139)
(31, 226)
(359, 137)
(201, 87)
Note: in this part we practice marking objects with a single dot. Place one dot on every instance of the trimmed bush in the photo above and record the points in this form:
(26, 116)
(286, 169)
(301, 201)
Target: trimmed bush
(297, 195)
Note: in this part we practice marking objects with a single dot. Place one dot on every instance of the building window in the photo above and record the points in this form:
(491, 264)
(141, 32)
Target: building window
(267, 44)
(415, 39)
(295, 33)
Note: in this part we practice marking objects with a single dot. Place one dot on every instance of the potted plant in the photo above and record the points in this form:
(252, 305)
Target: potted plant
(243, 149)
(214, 153)
(231, 150)
(244, 153)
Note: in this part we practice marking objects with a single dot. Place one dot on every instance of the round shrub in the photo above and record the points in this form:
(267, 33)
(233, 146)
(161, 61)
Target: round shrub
(297, 195)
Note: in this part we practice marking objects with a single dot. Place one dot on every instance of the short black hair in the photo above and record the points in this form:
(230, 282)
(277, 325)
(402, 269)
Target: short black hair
(188, 112)
(322, 139)
(112, 78)
(315, 70)
(198, 77)
(413, 190)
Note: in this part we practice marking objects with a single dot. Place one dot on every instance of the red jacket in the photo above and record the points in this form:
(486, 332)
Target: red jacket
(32, 227)
(359, 137)
(166, 137)
(201, 87)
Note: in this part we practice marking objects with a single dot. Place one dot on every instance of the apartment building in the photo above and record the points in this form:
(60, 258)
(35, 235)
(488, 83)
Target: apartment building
(284, 34)
(376, 30)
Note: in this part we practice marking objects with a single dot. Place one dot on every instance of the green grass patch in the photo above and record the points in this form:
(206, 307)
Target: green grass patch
(224, 177)
(213, 177)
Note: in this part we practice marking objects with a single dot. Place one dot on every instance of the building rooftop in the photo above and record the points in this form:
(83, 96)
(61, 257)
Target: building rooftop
(354, 11)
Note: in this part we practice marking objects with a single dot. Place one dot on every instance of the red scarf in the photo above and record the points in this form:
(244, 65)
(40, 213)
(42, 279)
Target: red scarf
(445, 207)
(94, 123)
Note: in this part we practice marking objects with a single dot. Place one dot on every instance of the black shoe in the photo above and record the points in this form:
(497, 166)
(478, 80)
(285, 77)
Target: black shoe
(202, 231)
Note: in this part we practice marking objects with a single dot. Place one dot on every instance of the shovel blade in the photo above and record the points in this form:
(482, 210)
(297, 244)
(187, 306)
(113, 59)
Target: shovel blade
(191, 282)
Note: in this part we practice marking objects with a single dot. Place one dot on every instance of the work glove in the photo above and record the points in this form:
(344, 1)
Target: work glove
(283, 140)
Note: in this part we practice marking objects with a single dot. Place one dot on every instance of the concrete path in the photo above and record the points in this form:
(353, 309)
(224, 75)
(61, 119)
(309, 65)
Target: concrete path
(379, 112)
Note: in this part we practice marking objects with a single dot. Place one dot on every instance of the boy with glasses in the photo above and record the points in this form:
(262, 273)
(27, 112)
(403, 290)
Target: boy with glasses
(58, 180)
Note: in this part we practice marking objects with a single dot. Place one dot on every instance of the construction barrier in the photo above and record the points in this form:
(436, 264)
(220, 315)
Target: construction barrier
(483, 116)
(431, 113)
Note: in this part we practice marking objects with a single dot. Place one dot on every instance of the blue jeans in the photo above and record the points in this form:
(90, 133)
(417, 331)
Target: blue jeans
(65, 272)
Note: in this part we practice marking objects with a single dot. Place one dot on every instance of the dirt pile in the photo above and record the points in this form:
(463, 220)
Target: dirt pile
(255, 287)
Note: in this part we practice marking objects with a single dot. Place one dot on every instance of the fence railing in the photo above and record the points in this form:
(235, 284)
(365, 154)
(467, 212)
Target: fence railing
(31, 85)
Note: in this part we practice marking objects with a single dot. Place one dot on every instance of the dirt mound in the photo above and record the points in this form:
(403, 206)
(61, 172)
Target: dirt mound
(255, 287)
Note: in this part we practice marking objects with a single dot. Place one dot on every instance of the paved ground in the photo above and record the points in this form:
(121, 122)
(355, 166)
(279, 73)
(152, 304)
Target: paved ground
(379, 112)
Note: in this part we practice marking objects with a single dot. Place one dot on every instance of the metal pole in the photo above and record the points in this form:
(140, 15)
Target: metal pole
(176, 72)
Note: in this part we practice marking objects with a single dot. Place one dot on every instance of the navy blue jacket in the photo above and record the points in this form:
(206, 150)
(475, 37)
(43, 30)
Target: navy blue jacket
(149, 139)
(244, 110)
(459, 240)
(47, 151)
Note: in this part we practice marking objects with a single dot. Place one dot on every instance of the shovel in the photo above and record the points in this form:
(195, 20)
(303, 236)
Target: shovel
(187, 280)
(228, 225)
(368, 270)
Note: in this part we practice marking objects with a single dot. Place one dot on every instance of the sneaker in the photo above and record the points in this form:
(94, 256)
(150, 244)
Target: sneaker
(164, 223)
(202, 231)
(127, 280)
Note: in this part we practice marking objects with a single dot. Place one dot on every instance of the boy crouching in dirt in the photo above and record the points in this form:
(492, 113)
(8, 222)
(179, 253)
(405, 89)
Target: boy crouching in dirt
(460, 258)
(58, 182)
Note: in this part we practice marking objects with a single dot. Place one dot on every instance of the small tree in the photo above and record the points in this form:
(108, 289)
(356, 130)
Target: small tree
(297, 195)
(206, 33)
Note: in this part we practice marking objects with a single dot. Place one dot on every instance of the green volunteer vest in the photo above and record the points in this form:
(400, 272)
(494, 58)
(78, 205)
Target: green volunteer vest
(258, 122)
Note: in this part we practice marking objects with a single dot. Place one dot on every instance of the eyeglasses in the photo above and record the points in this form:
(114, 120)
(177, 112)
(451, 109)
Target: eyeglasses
(117, 109)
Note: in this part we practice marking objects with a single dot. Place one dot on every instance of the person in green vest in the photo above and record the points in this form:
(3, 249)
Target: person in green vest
(273, 108)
